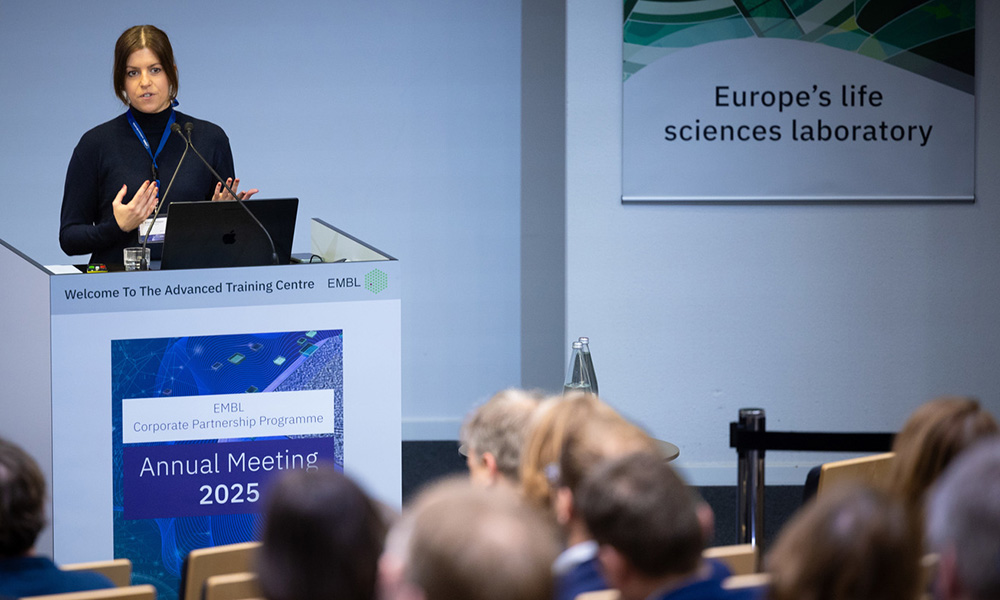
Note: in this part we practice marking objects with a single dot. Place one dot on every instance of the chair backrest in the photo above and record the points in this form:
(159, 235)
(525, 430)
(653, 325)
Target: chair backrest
(600, 595)
(742, 582)
(202, 563)
(129, 592)
(928, 567)
(118, 570)
(232, 586)
(740, 558)
(866, 469)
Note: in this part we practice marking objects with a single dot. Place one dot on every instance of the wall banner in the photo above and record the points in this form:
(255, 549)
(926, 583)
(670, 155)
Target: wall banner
(798, 100)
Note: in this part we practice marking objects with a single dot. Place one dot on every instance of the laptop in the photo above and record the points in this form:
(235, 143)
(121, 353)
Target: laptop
(221, 234)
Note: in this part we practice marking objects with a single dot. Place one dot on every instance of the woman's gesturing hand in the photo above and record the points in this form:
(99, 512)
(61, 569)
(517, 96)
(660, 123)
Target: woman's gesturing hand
(222, 193)
(130, 216)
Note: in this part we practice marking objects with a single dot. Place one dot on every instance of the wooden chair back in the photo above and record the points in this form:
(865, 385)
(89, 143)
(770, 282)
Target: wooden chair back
(118, 570)
(232, 586)
(865, 469)
(742, 582)
(740, 558)
(928, 569)
(202, 563)
(129, 592)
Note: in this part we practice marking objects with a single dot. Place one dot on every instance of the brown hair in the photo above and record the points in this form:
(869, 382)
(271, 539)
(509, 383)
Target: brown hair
(638, 505)
(22, 500)
(136, 38)
(322, 538)
(934, 435)
(553, 422)
(851, 542)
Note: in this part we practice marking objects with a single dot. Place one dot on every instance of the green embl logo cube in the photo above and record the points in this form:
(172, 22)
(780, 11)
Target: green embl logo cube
(376, 281)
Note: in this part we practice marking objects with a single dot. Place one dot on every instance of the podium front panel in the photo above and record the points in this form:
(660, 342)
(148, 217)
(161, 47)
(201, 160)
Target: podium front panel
(178, 396)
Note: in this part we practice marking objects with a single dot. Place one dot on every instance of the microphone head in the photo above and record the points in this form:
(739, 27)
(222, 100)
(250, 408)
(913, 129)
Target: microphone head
(175, 127)
(188, 126)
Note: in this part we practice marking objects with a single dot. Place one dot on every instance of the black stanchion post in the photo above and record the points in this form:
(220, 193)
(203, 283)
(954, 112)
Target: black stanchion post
(750, 520)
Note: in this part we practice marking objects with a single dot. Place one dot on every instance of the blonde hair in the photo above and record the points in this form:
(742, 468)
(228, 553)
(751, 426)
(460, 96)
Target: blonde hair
(554, 420)
(603, 437)
(499, 427)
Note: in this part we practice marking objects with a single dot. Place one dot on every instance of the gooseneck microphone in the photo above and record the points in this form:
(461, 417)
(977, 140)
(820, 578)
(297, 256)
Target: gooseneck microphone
(188, 127)
(163, 200)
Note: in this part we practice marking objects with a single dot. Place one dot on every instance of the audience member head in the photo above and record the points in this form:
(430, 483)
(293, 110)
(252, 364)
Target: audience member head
(848, 543)
(459, 541)
(322, 538)
(932, 436)
(22, 500)
(494, 434)
(643, 516)
(553, 421)
(963, 525)
(604, 436)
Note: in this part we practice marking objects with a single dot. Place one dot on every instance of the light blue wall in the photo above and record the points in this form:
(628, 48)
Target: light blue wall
(397, 121)
(400, 122)
(834, 318)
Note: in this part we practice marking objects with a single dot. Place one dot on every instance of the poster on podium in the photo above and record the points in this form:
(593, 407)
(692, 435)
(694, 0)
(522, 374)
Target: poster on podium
(203, 423)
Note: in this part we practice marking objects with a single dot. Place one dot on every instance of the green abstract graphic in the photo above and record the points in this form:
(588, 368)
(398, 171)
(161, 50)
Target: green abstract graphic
(932, 38)
(376, 281)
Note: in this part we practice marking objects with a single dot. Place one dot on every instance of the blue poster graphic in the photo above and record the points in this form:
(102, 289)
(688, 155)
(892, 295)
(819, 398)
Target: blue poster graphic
(174, 496)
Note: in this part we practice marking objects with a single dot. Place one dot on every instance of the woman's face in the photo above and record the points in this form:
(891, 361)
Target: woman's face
(146, 82)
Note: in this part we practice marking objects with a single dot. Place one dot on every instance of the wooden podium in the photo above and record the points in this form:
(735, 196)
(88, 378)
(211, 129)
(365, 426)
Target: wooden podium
(126, 386)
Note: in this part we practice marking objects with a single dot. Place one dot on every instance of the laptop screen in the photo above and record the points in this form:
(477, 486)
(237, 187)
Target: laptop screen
(221, 234)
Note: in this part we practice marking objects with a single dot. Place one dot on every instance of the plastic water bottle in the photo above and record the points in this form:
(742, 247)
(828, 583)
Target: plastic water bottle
(589, 361)
(578, 378)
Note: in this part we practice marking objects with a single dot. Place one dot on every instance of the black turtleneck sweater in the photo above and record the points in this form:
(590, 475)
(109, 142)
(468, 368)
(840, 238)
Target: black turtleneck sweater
(110, 155)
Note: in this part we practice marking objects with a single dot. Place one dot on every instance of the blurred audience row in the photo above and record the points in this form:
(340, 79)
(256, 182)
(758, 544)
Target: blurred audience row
(565, 496)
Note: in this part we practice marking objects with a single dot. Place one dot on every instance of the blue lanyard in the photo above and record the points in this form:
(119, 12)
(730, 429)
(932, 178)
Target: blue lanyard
(145, 143)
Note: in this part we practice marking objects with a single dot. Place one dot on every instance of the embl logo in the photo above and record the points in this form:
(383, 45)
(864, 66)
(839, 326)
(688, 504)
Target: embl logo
(376, 281)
